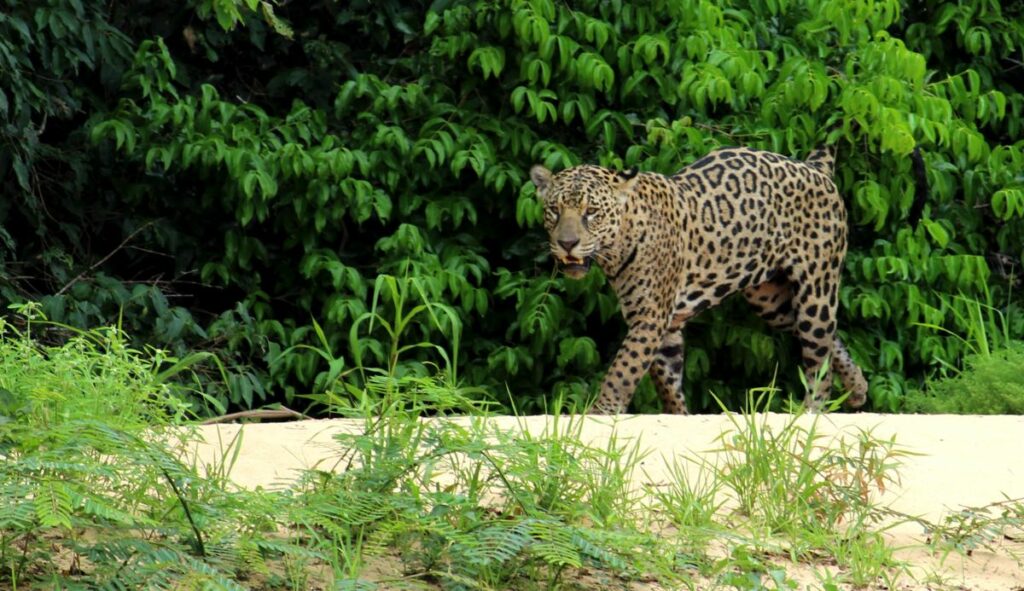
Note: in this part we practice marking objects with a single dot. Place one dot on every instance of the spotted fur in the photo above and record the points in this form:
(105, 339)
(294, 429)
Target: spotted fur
(737, 220)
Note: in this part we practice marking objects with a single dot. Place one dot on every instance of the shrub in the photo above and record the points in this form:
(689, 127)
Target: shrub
(990, 384)
(238, 168)
(94, 494)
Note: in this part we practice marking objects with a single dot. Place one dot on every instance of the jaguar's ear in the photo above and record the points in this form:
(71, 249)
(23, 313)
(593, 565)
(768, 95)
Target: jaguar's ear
(541, 177)
(625, 180)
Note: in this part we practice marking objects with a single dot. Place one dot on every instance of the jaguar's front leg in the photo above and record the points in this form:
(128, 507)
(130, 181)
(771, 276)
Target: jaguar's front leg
(631, 363)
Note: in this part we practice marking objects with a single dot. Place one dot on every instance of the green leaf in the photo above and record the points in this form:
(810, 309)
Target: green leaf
(937, 232)
(1008, 203)
(21, 172)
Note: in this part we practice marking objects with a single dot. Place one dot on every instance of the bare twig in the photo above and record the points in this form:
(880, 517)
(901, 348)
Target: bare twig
(266, 413)
(106, 258)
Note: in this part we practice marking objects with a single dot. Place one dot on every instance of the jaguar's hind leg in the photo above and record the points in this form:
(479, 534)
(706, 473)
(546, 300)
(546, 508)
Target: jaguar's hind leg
(773, 302)
(667, 372)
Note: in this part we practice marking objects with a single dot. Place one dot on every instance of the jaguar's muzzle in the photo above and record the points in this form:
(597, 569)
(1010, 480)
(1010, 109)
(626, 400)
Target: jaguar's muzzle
(575, 268)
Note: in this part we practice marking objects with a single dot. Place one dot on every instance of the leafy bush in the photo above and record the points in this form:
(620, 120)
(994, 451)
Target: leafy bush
(90, 500)
(467, 505)
(87, 498)
(990, 384)
(91, 374)
(219, 173)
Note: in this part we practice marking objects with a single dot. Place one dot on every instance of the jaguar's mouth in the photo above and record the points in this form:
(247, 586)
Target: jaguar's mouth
(575, 268)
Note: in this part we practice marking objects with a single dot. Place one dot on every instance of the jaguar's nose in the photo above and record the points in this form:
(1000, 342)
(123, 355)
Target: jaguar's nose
(568, 244)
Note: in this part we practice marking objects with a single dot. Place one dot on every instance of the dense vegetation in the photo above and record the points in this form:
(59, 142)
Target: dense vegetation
(233, 175)
(100, 488)
(990, 385)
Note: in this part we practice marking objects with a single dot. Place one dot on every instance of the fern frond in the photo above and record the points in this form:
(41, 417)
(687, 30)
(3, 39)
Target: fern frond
(281, 548)
(355, 585)
(600, 548)
(53, 504)
(106, 510)
(554, 543)
(358, 508)
(494, 544)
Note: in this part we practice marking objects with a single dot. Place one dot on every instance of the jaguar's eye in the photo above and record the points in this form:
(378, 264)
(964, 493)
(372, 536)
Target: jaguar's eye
(590, 212)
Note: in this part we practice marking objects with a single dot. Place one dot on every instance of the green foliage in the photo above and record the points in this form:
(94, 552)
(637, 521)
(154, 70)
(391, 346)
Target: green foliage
(790, 478)
(90, 500)
(450, 503)
(987, 380)
(473, 507)
(219, 173)
(466, 504)
(779, 485)
(92, 374)
(989, 385)
(46, 50)
(91, 477)
(971, 528)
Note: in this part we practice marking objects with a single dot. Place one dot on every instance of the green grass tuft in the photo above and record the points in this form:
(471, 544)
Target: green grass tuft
(990, 384)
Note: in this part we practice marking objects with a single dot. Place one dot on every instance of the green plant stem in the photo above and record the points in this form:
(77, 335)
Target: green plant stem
(200, 548)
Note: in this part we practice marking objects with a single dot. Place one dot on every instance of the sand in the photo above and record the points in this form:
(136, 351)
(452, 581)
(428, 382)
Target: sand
(960, 461)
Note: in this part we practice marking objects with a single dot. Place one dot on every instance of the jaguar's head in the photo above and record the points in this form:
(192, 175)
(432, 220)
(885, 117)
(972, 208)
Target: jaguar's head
(583, 209)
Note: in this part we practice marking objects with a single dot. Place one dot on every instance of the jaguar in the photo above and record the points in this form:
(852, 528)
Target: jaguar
(737, 220)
